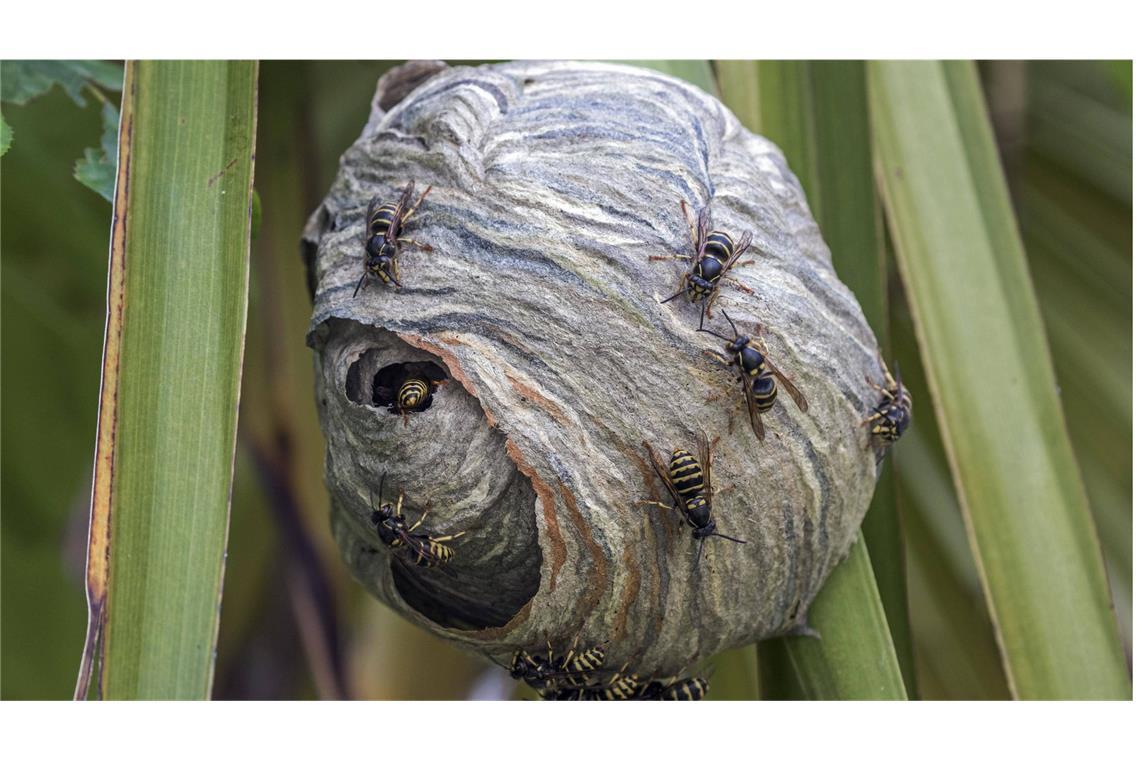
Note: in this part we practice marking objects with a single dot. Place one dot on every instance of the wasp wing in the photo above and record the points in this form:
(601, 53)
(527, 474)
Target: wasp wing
(704, 453)
(738, 250)
(373, 204)
(394, 228)
(753, 412)
(663, 473)
(704, 221)
(792, 390)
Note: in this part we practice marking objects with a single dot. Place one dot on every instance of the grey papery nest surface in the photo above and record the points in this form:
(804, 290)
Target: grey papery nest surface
(553, 183)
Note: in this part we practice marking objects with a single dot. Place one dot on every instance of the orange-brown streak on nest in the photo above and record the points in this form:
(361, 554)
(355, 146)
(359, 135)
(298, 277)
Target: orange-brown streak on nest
(649, 478)
(491, 634)
(599, 569)
(549, 515)
(543, 402)
(452, 362)
(632, 587)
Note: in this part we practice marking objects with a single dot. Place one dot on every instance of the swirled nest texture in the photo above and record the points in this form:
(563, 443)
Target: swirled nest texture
(552, 185)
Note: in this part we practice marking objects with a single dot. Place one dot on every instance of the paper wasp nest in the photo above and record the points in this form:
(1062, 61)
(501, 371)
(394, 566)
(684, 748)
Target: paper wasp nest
(553, 183)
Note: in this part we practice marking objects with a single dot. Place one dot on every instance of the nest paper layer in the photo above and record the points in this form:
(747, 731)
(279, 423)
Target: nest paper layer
(553, 183)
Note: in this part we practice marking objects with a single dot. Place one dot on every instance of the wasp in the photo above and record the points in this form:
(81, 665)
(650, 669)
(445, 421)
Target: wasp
(675, 690)
(620, 686)
(714, 254)
(689, 482)
(423, 549)
(891, 417)
(757, 374)
(407, 388)
(384, 223)
(551, 674)
(414, 395)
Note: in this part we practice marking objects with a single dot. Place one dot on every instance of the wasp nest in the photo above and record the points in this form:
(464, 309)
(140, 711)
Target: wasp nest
(537, 319)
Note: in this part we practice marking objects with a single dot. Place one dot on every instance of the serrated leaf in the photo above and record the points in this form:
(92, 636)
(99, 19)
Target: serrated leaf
(5, 136)
(96, 172)
(21, 81)
(96, 169)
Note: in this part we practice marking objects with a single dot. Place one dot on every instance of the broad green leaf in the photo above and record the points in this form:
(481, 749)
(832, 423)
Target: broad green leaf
(817, 114)
(5, 135)
(178, 287)
(21, 81)
(733, 675)
(853, 658)
(994, 389)
(96, 169)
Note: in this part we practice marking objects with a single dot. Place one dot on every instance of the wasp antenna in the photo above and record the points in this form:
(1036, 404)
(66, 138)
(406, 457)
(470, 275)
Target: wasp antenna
(382, 476)
(730, 538)
(713, 332)
(725, 313)
(700, 550)
(670, 298)
(358, 284)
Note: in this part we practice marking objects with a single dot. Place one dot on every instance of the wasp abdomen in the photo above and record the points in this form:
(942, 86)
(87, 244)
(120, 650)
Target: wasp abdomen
(765, 392)
(719, 245)
(689, 690)
(412, 394)
(685, 474)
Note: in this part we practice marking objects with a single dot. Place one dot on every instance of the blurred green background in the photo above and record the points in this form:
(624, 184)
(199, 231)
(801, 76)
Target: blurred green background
(294, 625)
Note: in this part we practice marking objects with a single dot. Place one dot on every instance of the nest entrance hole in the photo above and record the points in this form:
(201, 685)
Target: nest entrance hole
(369, 385)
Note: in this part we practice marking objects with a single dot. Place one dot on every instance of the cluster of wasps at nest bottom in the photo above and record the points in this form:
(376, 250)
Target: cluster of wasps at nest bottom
(580, 675)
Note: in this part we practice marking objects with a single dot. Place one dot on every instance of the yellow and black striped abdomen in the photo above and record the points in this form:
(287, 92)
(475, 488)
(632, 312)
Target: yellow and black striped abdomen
(620, 687)
(381, 219)
(719, 245)
(685, 474)
(434, 553)
(764, 391)
(689, 690)
(583, 662)
(412, 394)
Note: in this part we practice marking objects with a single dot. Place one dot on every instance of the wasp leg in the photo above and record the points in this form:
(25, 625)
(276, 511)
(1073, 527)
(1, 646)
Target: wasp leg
(441, 539)
(408, 214)
(875, 415)
(400, 504)
(420, 521)
(651, 503)
(707, 311)
(416, 244)
(670, 257)
(689, 221)
(879, 388)
(719, 359)
(725, 489)
(740, 286)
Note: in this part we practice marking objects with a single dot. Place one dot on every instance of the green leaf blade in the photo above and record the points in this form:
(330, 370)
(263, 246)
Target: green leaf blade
(817, 114)
(969, 289)
(854, 657)
(172, 370)
(5, 136)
